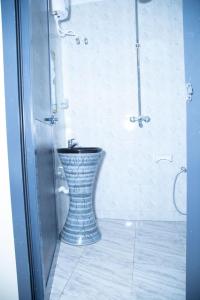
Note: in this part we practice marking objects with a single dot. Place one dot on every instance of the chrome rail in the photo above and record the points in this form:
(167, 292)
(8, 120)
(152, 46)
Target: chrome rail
(140, 119)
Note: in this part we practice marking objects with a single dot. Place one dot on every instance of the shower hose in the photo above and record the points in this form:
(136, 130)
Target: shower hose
(182, 170)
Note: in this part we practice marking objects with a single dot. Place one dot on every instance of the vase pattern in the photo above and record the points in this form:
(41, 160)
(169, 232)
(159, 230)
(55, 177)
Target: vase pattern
(81, 174)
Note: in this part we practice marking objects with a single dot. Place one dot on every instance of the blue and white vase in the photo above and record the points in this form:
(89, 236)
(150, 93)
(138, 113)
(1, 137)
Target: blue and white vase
(81, 167)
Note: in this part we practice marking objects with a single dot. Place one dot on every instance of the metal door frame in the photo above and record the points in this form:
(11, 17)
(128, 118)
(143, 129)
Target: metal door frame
(191, 21)
(21, 147)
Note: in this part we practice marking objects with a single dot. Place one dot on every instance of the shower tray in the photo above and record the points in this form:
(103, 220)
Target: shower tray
(81, 166)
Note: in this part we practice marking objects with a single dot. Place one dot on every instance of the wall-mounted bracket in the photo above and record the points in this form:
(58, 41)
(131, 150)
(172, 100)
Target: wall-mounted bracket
(61, 10)
(62, 32)
(66, 33)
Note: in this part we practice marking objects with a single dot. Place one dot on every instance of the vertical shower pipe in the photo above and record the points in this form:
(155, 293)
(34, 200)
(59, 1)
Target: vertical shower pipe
(140, 118)
(137, 44)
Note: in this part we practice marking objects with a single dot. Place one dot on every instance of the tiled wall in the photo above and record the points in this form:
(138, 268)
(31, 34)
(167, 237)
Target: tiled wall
(99, 81)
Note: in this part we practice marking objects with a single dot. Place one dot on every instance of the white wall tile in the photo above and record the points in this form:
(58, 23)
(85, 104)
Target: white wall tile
(99, 79)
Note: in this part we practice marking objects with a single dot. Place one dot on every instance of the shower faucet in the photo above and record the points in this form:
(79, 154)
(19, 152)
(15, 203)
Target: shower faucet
(140, 120)
(72, 143)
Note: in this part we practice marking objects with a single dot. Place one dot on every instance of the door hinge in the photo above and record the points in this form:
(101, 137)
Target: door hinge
(189, 92)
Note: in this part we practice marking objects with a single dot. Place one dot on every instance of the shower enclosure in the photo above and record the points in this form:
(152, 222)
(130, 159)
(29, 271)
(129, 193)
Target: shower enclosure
(86, 77)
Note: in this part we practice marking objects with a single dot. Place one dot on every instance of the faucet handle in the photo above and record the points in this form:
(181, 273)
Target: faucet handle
(72, 143)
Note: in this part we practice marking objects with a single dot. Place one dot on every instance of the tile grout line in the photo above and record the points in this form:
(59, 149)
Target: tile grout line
(134, 247)
(139, 220)
(70, 277)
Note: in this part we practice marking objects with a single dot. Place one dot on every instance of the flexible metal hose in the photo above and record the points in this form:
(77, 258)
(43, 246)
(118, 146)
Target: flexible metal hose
(183, 170)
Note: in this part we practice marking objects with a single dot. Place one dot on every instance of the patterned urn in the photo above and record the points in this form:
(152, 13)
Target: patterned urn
(81, 166)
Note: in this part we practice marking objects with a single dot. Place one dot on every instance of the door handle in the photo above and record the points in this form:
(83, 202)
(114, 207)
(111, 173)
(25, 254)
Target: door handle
(52, 119)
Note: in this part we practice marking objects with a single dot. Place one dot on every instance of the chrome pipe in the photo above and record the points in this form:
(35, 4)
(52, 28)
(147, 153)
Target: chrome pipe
(140, 119)
(137, 44)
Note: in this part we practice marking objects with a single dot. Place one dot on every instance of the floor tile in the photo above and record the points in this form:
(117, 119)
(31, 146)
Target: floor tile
(161, 243)
(133, 261)
(67, 262)
(158, 283)
(92, 282)
(105, 269)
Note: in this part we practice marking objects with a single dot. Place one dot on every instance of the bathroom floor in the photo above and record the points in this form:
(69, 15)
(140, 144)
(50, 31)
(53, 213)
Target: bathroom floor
(133, 261)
